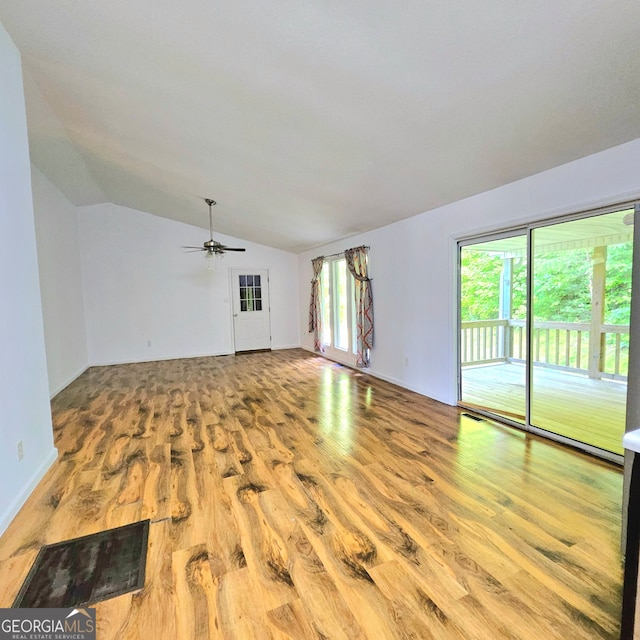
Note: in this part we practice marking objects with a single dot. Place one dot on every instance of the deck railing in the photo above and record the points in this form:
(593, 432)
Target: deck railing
(557, 345)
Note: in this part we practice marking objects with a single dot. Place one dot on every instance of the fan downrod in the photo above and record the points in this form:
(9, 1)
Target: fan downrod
(211, 246)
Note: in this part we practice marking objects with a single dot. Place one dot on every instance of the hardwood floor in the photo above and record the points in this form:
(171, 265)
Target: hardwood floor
(591, 411)
(291, 497)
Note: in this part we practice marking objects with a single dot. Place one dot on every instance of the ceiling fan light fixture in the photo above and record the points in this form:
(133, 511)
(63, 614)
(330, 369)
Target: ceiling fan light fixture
(211, 247)
(212, 260)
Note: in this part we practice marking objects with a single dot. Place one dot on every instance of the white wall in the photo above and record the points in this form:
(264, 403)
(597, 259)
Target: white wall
(24, 395)
(413, 262)
(147, 299)
(60, 283)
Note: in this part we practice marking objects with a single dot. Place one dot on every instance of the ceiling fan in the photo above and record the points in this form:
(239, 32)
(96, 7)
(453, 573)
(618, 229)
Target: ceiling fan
(211, 246)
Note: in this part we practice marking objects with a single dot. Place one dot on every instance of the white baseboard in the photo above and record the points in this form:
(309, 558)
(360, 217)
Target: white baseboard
(396, 381)
(344, 363)
(196, 355)
(12, 510)
(157, 359)
(404, 385)
(64, 385)
(376, 374)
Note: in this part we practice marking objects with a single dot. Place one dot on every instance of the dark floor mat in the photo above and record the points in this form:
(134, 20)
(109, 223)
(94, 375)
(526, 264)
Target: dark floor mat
(87, 570)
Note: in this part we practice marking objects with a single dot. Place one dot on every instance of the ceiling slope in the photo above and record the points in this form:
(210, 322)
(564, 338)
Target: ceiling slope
(308, 122)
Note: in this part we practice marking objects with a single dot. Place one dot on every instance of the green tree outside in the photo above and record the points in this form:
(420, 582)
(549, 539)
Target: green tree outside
(561, 289)
(562, 286)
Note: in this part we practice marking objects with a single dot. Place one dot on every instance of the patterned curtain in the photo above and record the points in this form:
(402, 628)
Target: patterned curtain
(357, 262)
(315, 307)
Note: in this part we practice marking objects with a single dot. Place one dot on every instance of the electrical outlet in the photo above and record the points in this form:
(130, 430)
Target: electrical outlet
(20, 451)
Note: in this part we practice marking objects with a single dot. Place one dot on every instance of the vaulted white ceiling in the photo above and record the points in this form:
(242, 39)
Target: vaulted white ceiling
(311, 121)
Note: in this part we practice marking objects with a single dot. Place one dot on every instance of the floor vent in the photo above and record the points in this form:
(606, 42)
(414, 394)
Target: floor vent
(476, 418)
(87, 570)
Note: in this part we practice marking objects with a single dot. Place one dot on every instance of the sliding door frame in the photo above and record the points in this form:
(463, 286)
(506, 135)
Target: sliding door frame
(467, 242)
(528, 229)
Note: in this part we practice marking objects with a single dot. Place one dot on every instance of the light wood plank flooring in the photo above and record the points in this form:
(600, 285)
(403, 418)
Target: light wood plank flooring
(291, 497)
(591, 411)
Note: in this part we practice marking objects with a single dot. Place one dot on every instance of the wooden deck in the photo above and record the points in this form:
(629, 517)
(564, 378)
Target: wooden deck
(290, 497)
(591, 411)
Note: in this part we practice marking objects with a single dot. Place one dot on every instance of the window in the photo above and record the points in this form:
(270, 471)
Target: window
(338, 309)
(250, 293)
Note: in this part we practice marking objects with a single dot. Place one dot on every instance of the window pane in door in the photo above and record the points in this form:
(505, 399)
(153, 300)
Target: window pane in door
(493, 311)
(325, 293)
(581, 288)
(250, 293)
(342, 323)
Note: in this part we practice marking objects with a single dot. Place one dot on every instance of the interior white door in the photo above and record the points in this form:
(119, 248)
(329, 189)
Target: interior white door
(251, 310)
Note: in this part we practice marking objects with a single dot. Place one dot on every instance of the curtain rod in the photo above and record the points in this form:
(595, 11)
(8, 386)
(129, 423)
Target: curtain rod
(340, 253)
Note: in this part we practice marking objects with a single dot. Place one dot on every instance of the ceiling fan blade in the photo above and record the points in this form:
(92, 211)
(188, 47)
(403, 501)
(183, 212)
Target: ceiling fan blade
(211, 246)
(194, 250)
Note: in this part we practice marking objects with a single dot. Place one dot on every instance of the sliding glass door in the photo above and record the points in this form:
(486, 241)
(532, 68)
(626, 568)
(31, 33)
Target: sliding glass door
(581, 303)
(544, 328)
(338, 311)
(493, 316)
